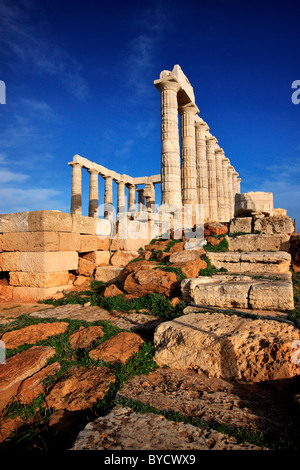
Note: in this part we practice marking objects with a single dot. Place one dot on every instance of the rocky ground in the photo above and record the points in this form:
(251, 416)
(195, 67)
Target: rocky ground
(130, 366)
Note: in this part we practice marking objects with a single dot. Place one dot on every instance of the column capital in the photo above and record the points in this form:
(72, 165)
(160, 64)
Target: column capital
(165, 84)
(93, 171)
(189, 108)
(76, 164)
(220, 150)
(202, 125)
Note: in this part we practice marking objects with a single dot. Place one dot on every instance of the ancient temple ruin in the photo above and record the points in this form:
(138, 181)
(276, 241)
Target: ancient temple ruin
(194, 168)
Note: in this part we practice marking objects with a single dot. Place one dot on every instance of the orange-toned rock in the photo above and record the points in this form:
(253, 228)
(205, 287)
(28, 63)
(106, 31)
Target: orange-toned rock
(33, 333)
(44, 280)
(179, 246)
(84, 337)
(85, 267)
(137, 266)
(81, 280)
(215, 228)
(103, 243)
(149, 281)
(162, 255)
(191, 268)
(112, 291)
(32, 387)
(80, 388)
(119, 348)
(158, 245)
(214, 241)
(186, 255)
(19, 367)
(6, 292)
(122, 258)
(296, 266)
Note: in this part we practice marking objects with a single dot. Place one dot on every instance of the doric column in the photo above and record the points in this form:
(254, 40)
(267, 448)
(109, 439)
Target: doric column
(76, 188)
(225, 163)
(201, 161)
(131, 200)
(239, 185)
(212, 182)
(93, 194)
(188, 154)
(170, 151)
(235, 186)
(149, 194)
(230, 191)
(121, 197)
(141, 199)
(108, 197)
(220, 185)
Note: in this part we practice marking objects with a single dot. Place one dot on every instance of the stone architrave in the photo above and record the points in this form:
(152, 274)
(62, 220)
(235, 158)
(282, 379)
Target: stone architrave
(170, 150)
(108, 197)
(93, 194)
(188, 154)
(212, 181)
(220, 185)
(225, 163)
(76, 205)
(202, 178)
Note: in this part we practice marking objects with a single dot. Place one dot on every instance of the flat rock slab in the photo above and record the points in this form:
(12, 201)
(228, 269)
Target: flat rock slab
(33, 333)
(253, 407)
(228, 346)
(19, 367)
(84, 337)
(123, 429)
(252, 262)
(119, 348)
(80, 388)
(138, 322)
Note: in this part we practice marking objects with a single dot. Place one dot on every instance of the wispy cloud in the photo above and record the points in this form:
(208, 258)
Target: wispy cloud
(19, 200)
(24, 40)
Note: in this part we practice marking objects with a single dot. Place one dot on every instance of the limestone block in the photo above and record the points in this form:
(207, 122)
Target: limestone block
(103, 243)
(46, 262)
(272, 295)
(282, 225)
(85, 267)
(252, 262)
(16, 222)
(279, 212)
(0, 242)
(241, 224)
(10, 261)
(108, 273)
(6, 292)
(68, 241)
(25, 279)
(49, 221)
(261, 242)
(122, 258)
(33, 294)
(30, 241)
(99, 258)
(252, 202)
(103, 227)
(84, 225)
(88, 243)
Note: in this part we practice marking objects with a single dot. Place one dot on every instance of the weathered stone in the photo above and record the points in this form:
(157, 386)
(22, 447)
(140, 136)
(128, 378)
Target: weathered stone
(68, 241)
(253, 202)
(47, 262)
(84, 337)
(85, 267)
(80, 388)
(84, 225)
(108, 273)
(228, 347)
(30, 241)
(122, 258)
(241, 224)
(18, 368)
(112, 291)
(16, 222)
(272, 295)
(103, 243)
(258, 242)
(186, 255)
(191, 268)
(10, 261)
(251, 262)
(214, 241)
(270, 225)
(6, 292)
(99, 258)
(35, 294)
(123, 429)
(1, 235)
(176, 247)
(88, 243)
(81, 280)
(149, 281)
(33, 333)
(49, 221)
(215, 228)
(119, 348)
(23, 279)
(32, 387)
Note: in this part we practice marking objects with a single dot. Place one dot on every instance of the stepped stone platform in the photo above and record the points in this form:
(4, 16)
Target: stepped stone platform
(251, 262)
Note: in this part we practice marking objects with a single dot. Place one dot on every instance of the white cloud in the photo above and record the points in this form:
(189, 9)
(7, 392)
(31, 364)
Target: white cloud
(19, 200)
(7, 176)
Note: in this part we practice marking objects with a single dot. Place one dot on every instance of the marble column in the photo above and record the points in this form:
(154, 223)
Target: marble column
(141, 199)
(170, 151)
(93, 194)
(188, 154)
(149, 194)
(201, 161)
(225, 163)
(108, 197)
(239, 185)
(211, 143)
(230, 191)
(121, 197)
(235, 186)
(76, 205)
(220, 185)
(131, 200)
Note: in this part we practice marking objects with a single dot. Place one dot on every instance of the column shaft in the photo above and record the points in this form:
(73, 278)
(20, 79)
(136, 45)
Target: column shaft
(93, 194)
(225, 163)
(76, 205)
(230, 191)
(121, 197)
(212, 178)
(131, 200)
(188, 155)
(108, 197)
(201, 160)
(220, 185)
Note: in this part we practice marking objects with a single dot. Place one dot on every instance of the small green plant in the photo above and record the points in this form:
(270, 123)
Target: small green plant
(221, 247)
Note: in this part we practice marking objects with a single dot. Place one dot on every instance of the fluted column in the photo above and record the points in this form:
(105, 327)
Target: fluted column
(149, 194)
(188, 154)
(239, 185)
(220, 185)
(141, 199)
(76, 205)
(131, 200)
(235, 186)
(108, 197)
(201, 161)
(225, 163)
(230, 191)
(211, 173)
(170, 151)
(121, 197)
(93, 194)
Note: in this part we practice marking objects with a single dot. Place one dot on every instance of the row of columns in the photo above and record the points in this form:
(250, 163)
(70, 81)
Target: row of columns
(199, 173)
(144, 194)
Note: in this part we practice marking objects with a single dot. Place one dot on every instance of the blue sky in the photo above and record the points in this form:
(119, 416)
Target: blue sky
(79, 80)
